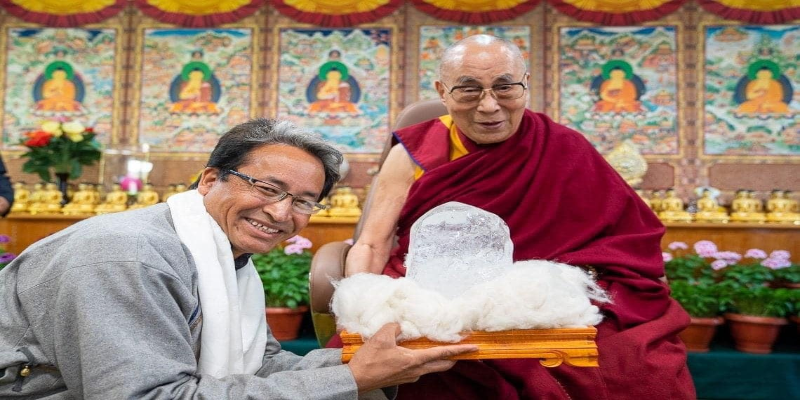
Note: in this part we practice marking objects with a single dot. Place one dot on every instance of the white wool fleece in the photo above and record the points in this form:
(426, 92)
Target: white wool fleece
(530, 295)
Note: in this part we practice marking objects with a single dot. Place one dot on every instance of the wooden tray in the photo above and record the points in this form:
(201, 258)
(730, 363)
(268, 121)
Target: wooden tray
(573, 346)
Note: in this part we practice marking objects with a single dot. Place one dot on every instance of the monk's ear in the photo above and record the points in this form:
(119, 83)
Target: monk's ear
(208, 178)
(441, 90)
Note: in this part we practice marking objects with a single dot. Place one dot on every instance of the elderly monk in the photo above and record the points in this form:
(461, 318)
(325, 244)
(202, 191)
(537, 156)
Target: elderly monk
(561, 201)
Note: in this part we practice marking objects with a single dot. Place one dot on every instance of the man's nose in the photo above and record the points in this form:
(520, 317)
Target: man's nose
(488, 103)
(280, 210)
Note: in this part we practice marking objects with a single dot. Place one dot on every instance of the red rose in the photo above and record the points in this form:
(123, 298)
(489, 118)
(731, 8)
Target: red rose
(88, 130)
(38, 139)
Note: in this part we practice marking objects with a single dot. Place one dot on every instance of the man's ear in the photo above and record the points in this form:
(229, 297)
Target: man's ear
(208, 178)
(441, 90)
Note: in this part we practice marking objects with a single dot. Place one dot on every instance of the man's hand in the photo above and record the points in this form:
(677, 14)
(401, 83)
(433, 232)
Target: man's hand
(380, 362)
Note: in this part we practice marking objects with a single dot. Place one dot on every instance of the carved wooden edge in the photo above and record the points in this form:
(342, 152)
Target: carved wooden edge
(573, 346)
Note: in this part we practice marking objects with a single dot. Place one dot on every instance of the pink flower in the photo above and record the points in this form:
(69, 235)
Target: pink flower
(7, 258)
(5, 238)
(292, 249)
(666, 256)
(780, 254)
(729, 257)
(705, 248)
(349, 241)
(718, 265)
(678, 245)
(776, 263)
(756, 253)
(299, 241)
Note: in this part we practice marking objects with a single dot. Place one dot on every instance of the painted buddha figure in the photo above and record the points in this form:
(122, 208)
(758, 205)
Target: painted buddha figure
(619, 90)
(672, 208)
(116, 200)
(762, 91)
(780, 208)
(82, 201)
(709, 210)
(50, 201)
(344, 203)
(147, 197)
(22, 198)
(333, 90)
(746, 208)
(58, 92)
(195, 91)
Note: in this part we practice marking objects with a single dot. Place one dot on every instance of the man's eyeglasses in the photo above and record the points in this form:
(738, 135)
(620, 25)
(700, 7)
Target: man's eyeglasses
(474, 93)
(271, 193)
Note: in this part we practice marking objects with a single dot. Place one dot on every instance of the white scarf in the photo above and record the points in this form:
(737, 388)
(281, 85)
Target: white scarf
(234, 332)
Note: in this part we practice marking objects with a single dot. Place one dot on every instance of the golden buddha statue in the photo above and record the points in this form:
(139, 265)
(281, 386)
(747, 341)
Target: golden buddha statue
(655, 201)
(22, 198)
(344, 203)
(709, 210)
(50, 201)
(37, 194)
(97, 194)
(780, 208)
(147, 197)
(170, 191)
(116, 200)
(746, 208)
(82, 201)
(672, 209)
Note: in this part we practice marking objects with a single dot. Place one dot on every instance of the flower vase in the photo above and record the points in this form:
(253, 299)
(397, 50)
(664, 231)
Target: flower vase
(285, 322)
(697, 336)
(754, 334)
(62, 179)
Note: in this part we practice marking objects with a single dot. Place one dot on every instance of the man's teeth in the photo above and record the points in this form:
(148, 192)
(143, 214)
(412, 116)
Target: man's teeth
(262, 227)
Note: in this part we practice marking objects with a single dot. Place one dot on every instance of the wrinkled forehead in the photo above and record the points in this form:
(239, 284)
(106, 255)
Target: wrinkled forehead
(478, 61)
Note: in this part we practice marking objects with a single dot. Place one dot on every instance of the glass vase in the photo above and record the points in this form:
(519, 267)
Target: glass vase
(62, 180)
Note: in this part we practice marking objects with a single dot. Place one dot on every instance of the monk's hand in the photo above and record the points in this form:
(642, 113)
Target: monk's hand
(380, 362)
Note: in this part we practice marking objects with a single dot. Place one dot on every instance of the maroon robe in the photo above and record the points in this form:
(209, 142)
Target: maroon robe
(562, 202)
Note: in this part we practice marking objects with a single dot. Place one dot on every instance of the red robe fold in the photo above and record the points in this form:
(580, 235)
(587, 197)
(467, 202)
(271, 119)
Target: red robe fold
(562, 202)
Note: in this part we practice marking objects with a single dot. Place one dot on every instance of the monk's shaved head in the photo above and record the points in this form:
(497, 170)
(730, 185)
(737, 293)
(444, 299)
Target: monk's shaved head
(453, 56)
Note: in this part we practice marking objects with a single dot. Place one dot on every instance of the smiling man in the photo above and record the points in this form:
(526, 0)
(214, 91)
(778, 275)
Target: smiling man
(561, 201)
(164, 302)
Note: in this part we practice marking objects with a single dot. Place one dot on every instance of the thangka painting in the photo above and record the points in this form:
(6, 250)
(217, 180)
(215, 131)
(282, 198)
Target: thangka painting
(620, 83)
(59, 74)
(337, 83)
(434, 39)
(195, 84)
(751, 103)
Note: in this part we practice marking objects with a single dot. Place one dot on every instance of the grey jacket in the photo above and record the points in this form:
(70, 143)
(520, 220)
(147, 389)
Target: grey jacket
(108, 308)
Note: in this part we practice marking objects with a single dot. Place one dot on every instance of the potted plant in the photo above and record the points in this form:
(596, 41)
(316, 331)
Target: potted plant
(787, 274)
(756, 315)
(757, 310)
(284, 274)
(704, 301)
(692, 284)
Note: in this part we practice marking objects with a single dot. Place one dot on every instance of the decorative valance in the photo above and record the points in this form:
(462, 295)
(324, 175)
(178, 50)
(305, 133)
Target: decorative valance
(475, 12)
(198, 13)
(756, 12)
(616, 12)
(63, 13)
(336, 13)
